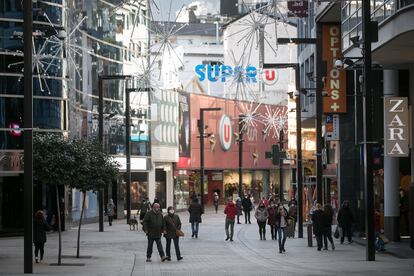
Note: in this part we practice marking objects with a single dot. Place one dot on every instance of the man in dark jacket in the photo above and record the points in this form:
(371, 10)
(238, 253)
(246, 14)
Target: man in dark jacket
(318, 219)
(195, 211)
(345, 221)
(247, 208)
(154, 226)
(230, 211)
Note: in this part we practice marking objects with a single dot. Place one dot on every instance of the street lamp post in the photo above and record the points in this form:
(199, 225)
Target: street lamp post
(299, 178)
(240, 141)
(101, 78)
(28, 137)
(281, 137)
(201, 131)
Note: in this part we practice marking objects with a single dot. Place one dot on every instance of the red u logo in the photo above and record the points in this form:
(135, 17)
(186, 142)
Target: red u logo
(270, 75)
(226, 133)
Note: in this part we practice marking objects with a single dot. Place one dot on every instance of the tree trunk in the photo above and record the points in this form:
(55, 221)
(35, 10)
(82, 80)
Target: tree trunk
(59, 225)
(80, 224)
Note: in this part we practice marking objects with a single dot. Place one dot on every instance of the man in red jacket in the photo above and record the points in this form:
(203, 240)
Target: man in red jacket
(231, 212)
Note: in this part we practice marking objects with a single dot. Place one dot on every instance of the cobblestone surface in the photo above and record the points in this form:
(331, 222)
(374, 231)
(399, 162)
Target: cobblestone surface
(119, 251)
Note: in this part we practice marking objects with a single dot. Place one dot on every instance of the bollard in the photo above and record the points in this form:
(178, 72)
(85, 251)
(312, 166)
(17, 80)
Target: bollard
(310, 240)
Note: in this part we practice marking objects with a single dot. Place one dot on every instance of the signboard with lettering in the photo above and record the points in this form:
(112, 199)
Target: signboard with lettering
(335, 84)
(396, 120)
(297, 8)
(332, 127)
(11, 161)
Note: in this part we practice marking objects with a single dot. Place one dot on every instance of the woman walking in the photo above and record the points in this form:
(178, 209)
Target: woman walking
(282, 224)
(216, 201)
(195, 211)
(327, 231)
(272, 211)
(40, 227)
(318, 224)
(261, 216)
(172, 224)
(239, 209)
(110, 210)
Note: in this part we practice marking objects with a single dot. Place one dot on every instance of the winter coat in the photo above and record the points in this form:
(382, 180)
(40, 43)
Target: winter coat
(272, 211)
(239, 207)
(230, 211)
(247, 204)
(195, 211)
(153, 224)
(261, 214)
(318, 219)
(293, 212)
(171, 222)
(345, 217)
(279, 216)
(110, 209)
(327, 220)
(40, 226)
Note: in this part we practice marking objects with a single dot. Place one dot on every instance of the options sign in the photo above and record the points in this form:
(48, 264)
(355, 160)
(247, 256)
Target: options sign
(396, 119)
(225, 132)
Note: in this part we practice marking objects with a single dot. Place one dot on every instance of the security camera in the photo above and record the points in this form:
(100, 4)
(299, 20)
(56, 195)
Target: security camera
(339, 64)
(296, 94)
(324, 94)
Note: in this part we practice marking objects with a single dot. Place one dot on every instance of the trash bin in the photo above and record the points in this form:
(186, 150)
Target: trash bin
(310, 234)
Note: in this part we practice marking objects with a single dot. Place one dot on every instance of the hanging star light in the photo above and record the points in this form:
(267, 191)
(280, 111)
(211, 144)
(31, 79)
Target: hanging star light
(249, 116)
(275, 121)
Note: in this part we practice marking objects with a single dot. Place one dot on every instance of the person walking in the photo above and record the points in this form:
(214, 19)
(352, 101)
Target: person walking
(272, 211)
(40, 227)
(216, 201)
(345, 220)
(145, 207)
(154, 226)
(292, 220)
(318, 224)
(261, 216)
(239, 209)
(327, 231)
(247, 208)
(195, 211)
(230, 211)
(172, 223)
(282, 224)
(110, 211)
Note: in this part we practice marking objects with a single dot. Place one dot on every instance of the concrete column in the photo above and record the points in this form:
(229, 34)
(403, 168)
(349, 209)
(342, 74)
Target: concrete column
(391, 172)
(151, 184)
(170, 186)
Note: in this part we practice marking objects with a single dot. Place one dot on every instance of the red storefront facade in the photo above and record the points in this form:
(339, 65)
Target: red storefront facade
(221, 162)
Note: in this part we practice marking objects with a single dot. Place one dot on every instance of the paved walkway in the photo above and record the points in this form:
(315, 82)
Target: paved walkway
(119, 251)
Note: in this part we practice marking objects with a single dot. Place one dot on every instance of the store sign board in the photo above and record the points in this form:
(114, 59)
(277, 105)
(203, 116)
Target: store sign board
(137, 163)
(396, 120)
(335, 84)
(11, 161)
(225, 132)
(332, 127)
(297, 8)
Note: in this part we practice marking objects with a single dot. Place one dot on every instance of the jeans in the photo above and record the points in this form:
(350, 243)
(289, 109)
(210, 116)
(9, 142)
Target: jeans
(229, 223)
(262, 229)
(346, 232)
(327, 235)
(282, 231)
(168, 247)
(39, 246)
(194, 228)
(246, 216)
(273, 231)
(150, 245)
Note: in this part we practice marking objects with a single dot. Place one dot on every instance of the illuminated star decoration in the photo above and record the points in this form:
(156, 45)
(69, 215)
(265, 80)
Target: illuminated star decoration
(275, 121)
(249, 118)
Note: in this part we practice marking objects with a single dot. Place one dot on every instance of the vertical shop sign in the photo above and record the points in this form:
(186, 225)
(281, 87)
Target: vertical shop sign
(396, 119)
(332, 127)
(225, 132)
(335, 84)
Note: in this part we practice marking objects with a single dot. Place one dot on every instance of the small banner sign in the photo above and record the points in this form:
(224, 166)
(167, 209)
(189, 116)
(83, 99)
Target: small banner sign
(297, 8)
(396, 120)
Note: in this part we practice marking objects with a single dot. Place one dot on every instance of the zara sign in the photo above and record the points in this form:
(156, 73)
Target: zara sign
(225, 132)
(396, 120)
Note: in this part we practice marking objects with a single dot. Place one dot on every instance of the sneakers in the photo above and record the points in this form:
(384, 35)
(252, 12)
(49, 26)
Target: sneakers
(179, 258)
(148, 260)
(164, 258)
(227, 238)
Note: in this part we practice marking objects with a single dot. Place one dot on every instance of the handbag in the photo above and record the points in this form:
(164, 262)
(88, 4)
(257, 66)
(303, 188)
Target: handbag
(336, 234)
(178, 232)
